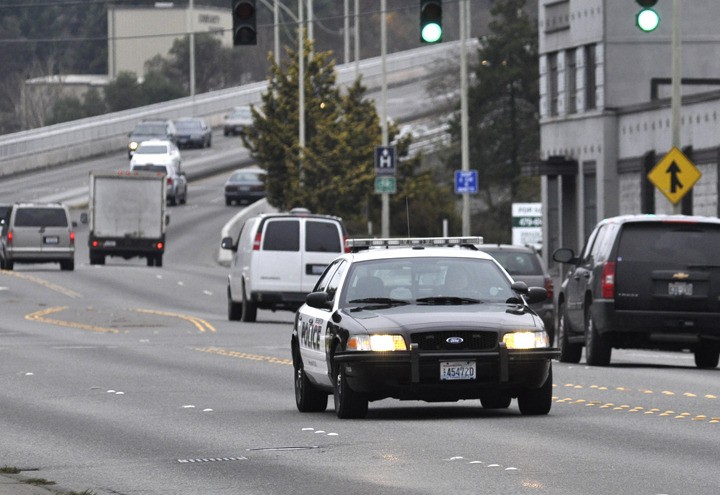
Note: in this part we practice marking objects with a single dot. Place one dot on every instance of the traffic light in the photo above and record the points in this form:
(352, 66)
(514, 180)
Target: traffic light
(244, 22)
(430, 21)
(647, 19)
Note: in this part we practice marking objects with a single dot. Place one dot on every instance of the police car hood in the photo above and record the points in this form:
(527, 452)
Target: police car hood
(426, 317)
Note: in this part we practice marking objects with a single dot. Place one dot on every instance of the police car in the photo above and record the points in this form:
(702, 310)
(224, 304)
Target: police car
(430, 319)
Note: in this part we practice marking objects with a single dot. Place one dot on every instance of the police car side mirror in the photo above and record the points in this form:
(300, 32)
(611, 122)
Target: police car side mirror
(318, 300)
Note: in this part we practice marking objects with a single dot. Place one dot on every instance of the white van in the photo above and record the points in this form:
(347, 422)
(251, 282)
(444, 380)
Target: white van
(278, 259)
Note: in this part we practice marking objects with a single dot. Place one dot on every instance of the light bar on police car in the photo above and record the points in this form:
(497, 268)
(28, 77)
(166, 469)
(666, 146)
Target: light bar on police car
(412, 241)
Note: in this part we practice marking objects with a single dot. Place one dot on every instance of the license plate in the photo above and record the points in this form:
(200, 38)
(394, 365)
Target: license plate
(52, 239)
(457, 370)
(109, 243)
(680, 288)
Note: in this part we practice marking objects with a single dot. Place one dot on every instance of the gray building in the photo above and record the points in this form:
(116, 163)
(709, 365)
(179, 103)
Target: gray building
(137, 34)
(605, 112)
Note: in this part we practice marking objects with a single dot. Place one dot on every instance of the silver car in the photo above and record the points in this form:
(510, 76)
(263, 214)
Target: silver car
(237, 121)
(37, 233)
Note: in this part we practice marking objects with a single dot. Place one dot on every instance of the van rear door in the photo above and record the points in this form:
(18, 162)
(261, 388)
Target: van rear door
(323, 242)
(277, 264)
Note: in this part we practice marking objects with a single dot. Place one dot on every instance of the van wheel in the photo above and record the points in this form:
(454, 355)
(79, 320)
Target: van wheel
(597, 347)
(9, 265)
(348, 403)
(249, 309)
(67, 265)
(307, 397)
(537, 401)
(569, 353)
(234, 309)
(707, 358)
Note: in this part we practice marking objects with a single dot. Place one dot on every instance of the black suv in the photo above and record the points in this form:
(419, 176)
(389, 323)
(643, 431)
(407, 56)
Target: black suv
(642, 281)
(151, 129)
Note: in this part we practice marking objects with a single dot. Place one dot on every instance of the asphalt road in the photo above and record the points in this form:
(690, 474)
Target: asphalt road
(124, 379)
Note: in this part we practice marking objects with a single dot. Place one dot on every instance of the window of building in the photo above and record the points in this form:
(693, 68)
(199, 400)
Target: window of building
(553, 82)
(571, 83)
(590, 81)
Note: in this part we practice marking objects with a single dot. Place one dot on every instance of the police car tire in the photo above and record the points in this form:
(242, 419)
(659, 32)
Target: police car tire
(307, 397)
(536, 402)
(348, 403)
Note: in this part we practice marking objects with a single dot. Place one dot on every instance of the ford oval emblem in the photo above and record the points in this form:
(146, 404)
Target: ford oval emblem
(454, 340)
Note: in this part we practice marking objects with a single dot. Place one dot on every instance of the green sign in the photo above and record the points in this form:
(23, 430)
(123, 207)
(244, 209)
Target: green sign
(385, 185)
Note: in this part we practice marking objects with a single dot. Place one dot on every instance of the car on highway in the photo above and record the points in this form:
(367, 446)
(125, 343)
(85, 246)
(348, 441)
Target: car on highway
(176, 190)
(245, 186)
(642, 282)
(237, 121)
(277, 258)
(150, 129)
(193, 132)
(38, 233)
(156, 152)
(430, 319)
(524, 263)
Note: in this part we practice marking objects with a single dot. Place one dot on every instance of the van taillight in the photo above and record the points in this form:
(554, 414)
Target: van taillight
(256, 244)
(549, 287)
(347, 248)
(169, 181)
(72, 238)
(607, 283)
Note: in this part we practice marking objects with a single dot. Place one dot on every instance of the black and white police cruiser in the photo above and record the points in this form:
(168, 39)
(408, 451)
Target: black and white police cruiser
(430, 319)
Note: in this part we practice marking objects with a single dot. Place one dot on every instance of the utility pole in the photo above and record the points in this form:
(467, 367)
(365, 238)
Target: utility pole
(464, 138)
(191, 49)
(385, 216)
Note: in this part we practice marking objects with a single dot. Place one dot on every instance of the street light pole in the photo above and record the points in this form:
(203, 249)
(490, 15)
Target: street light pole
(385, 220)
(464, 138)
(191, 49)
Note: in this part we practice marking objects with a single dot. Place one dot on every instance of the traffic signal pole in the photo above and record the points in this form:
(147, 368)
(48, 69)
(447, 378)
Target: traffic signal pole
(676, 97)
(464, 137)
(385, 214)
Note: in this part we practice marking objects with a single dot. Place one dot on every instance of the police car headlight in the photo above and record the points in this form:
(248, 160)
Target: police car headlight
(378, 343)
(526, 340)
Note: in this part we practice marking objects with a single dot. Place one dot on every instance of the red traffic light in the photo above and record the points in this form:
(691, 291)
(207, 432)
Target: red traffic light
(244, 22)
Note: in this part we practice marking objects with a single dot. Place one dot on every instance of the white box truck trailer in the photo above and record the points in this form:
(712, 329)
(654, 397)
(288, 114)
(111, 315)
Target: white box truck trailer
(127, 216)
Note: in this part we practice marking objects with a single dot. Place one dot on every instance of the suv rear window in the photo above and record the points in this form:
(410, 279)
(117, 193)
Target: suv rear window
(40, 217)
(322, 237)
(675, 243)
(516, 263)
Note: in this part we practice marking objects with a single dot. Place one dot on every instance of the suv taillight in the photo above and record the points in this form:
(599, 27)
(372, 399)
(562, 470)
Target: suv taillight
(256, 243)
(607, 283)
(169, 181)
(549, 287)
(72, 238)
(10, 236)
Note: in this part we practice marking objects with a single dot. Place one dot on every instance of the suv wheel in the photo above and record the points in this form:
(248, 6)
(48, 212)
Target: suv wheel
(68, 265)
(348, 403)
(537, 401)
(569, 353)
(706, 358)
(307, 397)
(597, 347)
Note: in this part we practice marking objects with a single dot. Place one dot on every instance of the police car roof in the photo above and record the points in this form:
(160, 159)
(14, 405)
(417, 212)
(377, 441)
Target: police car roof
(455, 247)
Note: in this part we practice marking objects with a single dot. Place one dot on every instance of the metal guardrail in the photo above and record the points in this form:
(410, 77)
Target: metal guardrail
(69, 141)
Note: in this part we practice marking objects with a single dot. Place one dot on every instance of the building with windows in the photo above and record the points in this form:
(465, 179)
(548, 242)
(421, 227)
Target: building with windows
(605, 112)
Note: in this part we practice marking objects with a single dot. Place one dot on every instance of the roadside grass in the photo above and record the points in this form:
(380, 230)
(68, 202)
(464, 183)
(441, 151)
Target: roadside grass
(39, 481)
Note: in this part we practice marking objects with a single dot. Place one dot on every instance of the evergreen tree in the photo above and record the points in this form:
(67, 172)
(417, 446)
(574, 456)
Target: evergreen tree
(503, 116)
(123, 93)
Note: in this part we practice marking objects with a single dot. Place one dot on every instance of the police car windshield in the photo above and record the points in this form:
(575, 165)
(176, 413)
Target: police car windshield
(426, 280)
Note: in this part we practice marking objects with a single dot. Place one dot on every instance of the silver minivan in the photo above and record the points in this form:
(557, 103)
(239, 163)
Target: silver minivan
(37, 233)
(278, 259)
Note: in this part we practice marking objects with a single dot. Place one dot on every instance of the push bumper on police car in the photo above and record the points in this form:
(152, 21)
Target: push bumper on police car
(441, 376)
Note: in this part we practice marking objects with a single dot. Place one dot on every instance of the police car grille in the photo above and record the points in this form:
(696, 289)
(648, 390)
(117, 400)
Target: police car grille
(471, 341)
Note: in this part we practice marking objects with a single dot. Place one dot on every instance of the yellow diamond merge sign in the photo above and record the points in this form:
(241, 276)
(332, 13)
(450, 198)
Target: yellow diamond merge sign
(674, 175)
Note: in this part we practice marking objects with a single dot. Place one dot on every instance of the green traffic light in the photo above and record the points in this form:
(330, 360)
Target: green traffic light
(431, 32)
(647, 20)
